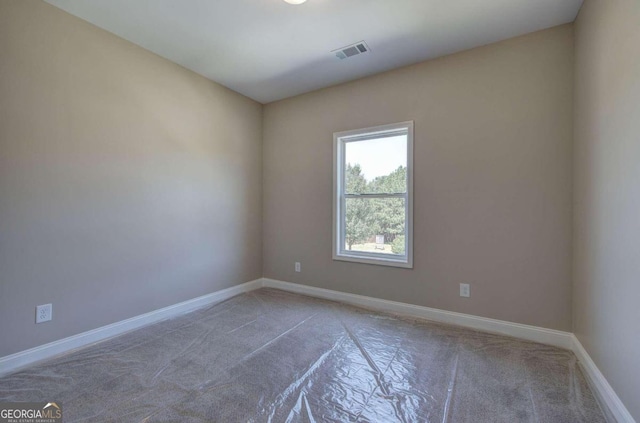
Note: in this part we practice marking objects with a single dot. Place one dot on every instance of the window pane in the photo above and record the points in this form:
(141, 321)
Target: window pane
(375, 225)
(376, 166)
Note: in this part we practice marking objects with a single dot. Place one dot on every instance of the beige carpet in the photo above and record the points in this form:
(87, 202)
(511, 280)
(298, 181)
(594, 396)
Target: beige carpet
(274, 356)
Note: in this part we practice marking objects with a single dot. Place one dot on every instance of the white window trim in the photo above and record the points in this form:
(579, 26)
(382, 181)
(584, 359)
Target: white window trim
(339, 252)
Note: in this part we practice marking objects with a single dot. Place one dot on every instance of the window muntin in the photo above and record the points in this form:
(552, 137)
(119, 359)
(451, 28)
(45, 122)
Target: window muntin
(372, 195)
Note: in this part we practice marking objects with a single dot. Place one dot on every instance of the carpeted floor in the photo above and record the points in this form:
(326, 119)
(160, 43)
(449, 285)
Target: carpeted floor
(274, 356)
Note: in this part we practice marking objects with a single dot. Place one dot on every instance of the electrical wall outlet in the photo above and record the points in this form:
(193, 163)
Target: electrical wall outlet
(298, 268)
(465, 290)
(44, 313)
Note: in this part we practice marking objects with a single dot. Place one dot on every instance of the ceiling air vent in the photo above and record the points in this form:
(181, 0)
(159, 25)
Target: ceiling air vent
(352, 50)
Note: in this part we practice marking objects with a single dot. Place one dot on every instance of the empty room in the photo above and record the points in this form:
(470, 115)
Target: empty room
(320, 211)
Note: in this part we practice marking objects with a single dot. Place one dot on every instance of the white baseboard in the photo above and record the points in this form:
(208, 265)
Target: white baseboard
(13, 362)
(531, 333)
(605, 393)
(603, 390)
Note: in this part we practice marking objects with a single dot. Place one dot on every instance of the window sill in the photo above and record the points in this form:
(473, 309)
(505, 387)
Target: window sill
(403, 262)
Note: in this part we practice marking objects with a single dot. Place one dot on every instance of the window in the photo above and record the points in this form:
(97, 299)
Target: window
(373, 195)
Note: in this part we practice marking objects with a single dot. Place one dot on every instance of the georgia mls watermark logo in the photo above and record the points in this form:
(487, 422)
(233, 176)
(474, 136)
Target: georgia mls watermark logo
(30, 412)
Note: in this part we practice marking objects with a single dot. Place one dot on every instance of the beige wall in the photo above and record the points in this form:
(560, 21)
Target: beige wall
(607, 192)
(493, 135)
(127, 183)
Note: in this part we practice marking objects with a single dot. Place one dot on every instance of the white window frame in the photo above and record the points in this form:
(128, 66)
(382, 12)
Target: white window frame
(339, 196)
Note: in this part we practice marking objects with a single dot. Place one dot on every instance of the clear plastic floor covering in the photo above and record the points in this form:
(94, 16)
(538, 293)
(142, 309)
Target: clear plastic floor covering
(274, 356)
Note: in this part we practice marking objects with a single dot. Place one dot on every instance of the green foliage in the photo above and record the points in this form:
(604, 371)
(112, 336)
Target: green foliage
(397, 246)
(395, 182)
(367, 217)
(357, 212)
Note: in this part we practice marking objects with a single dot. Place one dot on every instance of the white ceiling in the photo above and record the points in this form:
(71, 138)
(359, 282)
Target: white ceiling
(269, 50)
